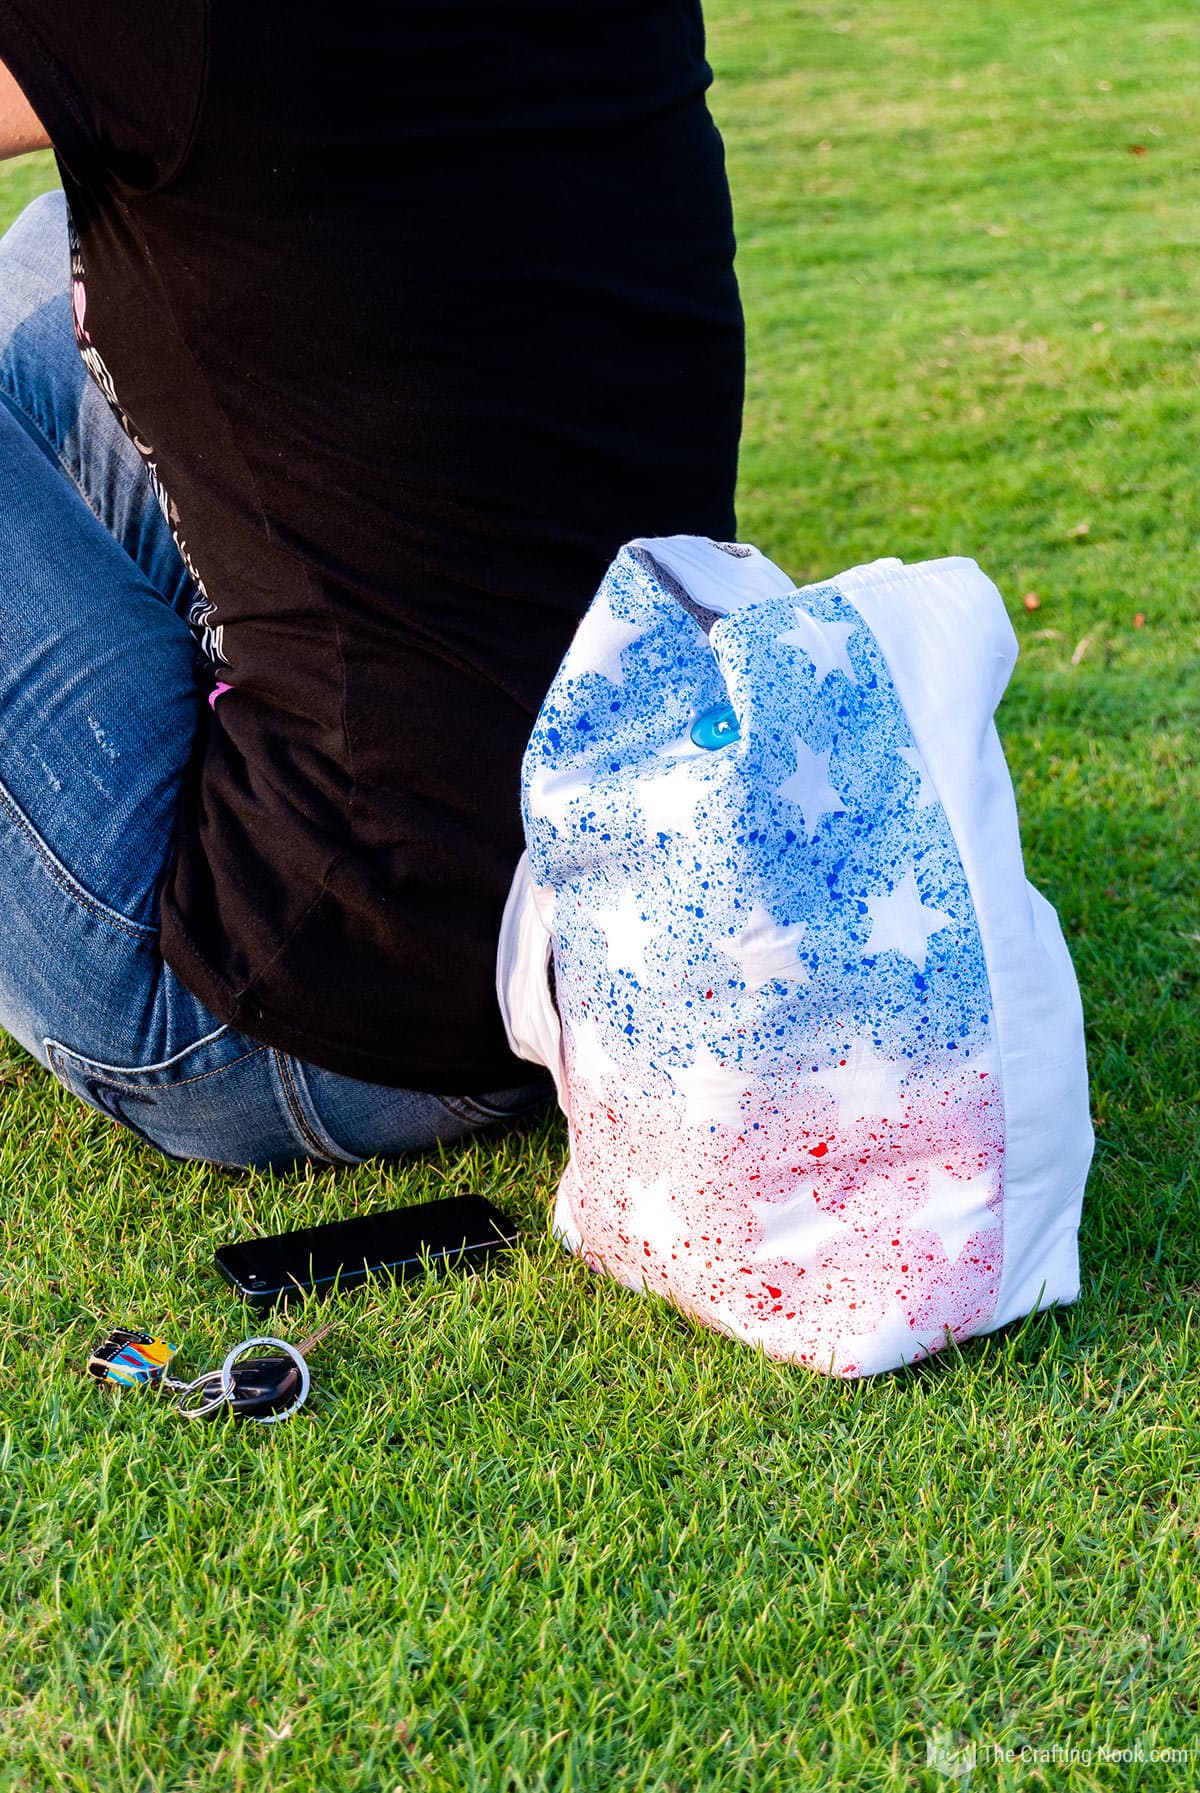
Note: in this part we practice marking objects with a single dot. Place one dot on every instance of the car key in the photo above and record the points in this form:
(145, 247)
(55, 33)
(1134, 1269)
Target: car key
(258, 1385)
(266, 1389)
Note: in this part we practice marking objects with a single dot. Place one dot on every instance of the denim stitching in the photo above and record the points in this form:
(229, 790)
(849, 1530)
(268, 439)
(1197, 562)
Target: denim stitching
(463, 1109)
(162, 1064)
(299, 1119)
(65, 879)
(333, 1148)
(58, 1055)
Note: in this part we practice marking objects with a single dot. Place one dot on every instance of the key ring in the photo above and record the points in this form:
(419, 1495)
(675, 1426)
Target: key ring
(132, 1358)
(225, 1389)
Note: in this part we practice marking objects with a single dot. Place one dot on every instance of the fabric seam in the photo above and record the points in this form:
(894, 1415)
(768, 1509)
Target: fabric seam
(987, 970)
(66, 879)
(463, 1108)
(118, 1077)
(299, 1120)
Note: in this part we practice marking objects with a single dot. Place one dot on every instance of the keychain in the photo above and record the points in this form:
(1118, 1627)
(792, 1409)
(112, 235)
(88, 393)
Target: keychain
(266, 1389)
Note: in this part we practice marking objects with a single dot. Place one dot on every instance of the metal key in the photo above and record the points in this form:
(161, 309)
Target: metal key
(266, 1389)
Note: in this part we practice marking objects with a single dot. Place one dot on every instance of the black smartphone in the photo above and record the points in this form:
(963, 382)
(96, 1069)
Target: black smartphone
(460, 1231)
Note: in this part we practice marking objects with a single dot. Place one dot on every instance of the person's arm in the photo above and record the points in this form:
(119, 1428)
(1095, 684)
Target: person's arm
(20, 128)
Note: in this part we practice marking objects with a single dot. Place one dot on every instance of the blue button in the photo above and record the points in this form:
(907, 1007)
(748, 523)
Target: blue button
(716, 728)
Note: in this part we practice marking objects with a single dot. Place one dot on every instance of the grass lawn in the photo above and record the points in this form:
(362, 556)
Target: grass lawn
(534, 1532)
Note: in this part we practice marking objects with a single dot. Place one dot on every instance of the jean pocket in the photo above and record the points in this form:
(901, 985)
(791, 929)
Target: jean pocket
(215, 1100)
(502, 1105)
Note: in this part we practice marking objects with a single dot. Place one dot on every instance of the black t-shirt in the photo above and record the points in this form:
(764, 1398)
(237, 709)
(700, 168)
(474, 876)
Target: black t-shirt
(416, 316)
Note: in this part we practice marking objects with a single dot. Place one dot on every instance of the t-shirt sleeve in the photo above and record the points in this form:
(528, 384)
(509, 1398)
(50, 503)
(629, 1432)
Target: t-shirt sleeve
(116, 84)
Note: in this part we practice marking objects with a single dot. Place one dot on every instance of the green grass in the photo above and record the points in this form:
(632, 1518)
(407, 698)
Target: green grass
(534, 1532)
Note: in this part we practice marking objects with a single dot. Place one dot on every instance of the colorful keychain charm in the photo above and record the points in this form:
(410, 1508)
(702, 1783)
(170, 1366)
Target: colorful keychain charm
(130, 1358)
(262, 1388)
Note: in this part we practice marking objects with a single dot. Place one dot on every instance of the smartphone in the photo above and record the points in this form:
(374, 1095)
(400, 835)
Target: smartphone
(460, 1231)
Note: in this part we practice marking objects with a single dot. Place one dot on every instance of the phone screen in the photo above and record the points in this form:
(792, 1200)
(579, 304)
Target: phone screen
(458, 1230)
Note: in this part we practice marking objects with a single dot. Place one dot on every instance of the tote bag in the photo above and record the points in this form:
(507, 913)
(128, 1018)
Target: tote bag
(818, 1040)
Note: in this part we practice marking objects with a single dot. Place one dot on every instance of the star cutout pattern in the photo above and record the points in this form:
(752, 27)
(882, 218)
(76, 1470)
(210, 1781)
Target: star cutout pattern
(888, 1343)
(824, 644)
(590, 1063)
(809, 787)
(901, 923)
(627, 932)
(712, 1092)
(650, 1219)
(599, 642)
(797, 1230)
(955, 1209)
(668, 802)
(765, 950)
(551, 796)
(862, 1084)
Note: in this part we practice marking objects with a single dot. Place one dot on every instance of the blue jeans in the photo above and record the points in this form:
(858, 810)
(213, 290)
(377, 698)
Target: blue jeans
(99, 699)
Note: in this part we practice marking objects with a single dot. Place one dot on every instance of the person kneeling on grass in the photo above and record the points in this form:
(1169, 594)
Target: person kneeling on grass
(347, 358)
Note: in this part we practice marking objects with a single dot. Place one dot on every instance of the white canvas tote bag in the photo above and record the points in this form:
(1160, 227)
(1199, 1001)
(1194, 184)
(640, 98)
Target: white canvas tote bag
(818, 1041)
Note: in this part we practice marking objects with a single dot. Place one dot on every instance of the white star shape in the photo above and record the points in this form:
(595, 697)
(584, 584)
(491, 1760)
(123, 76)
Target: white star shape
(551, 795)
(956, 1208)
(912, 756)
(669, 801)
(765, 950)
(796, 1230)
(598, 644)
(809, 787)
(649, 1216)
(901, 923)
(887, 1345)
(589, 1061)
(712, 1093)
(824, 643)
(627, 932)
(863, 1085)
